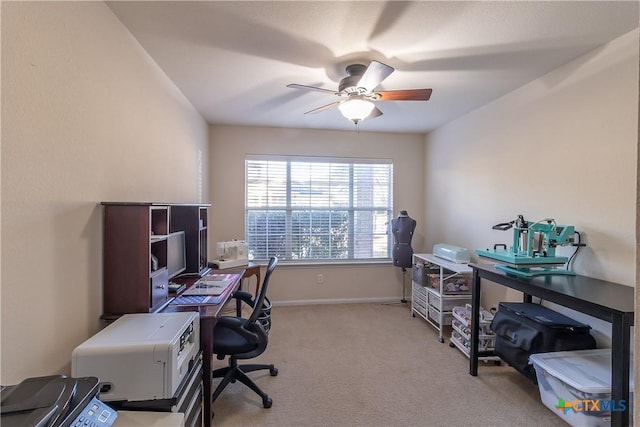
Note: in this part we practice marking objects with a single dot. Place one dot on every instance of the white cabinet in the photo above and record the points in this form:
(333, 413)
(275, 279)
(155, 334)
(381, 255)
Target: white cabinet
(437, 287)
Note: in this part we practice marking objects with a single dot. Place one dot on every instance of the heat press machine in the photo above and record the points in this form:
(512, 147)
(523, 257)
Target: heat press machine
(233, 253)
(533, 249)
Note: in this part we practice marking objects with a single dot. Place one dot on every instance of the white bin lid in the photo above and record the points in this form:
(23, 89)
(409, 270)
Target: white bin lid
(585, 370)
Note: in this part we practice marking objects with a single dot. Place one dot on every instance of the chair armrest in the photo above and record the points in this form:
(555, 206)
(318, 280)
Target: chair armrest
(244, 296)
(230, 322)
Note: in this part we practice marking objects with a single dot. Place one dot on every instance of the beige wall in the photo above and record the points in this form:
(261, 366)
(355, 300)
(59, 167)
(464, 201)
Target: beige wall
(563, 146)
(86, 117)
(230, 145)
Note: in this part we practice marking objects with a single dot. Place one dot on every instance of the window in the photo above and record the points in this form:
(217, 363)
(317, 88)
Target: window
(318, 209)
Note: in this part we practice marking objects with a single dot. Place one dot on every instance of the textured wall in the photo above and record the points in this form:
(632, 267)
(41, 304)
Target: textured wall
(229, 146)
(86, 117)
(563, 146)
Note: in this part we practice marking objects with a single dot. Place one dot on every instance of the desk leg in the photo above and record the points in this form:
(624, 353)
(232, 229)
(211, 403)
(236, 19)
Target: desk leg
(475, 324)
(257, 274)
(253, 270)
(620, 360)
(206, 343)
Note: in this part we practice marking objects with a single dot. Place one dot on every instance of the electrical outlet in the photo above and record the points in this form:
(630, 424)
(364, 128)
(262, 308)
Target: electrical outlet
(320, 278)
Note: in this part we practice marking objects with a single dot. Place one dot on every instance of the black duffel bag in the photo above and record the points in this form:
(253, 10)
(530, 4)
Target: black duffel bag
(523, 329)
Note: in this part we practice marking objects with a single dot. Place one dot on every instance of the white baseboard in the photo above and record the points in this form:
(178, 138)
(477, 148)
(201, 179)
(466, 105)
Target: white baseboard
(338, 301)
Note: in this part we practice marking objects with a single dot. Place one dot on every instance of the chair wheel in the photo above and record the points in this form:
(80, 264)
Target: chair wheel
(273, 371)
(267, 402)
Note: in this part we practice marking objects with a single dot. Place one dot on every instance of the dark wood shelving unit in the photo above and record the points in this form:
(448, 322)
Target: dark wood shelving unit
(192, 219)
(135, 277)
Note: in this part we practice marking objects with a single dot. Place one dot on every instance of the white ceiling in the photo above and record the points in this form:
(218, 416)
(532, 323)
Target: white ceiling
(233, 59)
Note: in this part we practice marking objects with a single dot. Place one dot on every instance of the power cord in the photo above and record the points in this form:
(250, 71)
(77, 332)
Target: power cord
(577, 246)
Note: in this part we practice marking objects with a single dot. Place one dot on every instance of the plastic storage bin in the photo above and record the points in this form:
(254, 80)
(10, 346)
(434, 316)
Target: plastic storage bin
(422, 273)
(439, 317)
(450, 285)
(445, 304)
(567, 379)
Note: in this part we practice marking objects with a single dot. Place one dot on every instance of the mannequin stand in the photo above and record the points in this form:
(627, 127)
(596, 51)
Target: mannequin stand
(404, 299)
(404, 276)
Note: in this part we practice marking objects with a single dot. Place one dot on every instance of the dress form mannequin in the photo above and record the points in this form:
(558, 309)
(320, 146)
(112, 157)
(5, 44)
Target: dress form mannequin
(402, 228)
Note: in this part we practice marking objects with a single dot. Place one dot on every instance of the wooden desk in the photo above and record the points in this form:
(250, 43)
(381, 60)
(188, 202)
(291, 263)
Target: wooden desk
(252, 270)
(209, 314)
(247, 271)
(604, 300)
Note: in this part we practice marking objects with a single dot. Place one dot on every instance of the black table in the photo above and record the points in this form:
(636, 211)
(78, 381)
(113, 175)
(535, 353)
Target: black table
(604, 300)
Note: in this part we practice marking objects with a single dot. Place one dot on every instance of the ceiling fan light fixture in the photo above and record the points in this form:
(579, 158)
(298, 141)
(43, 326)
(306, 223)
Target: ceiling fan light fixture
(356, 109)
(357, 91)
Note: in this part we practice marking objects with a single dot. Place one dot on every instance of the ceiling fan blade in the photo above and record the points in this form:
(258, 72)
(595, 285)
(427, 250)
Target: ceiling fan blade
(404, 95)
(376, 72)
(317, 89)
(374, 113)
(324, 107)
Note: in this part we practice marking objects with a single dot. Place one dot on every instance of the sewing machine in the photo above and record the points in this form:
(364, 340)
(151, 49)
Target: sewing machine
(533, 249)
(232, 253)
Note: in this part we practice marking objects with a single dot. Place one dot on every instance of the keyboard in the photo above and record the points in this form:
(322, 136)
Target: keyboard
(193, 300)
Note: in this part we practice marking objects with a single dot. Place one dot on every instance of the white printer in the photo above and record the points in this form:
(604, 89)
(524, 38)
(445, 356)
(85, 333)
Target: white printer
(140, 356)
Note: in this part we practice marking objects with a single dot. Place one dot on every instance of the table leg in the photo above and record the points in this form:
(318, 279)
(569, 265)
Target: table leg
(206, 343)
(620, 361)
(475, 324)
(257, 274)
(253, 270)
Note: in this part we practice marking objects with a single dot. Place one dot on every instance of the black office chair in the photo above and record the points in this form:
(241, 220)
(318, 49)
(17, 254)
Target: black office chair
(242, 338)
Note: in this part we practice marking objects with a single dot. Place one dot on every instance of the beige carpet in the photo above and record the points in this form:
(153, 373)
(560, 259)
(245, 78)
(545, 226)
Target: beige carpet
(375, 365)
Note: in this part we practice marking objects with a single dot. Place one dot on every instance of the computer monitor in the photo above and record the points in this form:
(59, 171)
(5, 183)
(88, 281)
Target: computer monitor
(176, 254)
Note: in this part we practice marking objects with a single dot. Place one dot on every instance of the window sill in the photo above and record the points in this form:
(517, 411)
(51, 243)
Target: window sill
(345, 263)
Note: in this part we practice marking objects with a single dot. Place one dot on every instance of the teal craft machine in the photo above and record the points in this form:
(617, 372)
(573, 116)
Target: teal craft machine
(533, 250)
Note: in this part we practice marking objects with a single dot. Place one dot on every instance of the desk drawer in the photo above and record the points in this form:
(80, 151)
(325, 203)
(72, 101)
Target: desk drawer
(419, 298)
(418, 289)
(419, 305)
(446, 303)
(159, 288)
(439, 317)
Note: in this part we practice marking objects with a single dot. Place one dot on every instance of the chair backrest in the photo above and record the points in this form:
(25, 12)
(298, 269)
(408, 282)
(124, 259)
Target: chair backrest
(259, 301)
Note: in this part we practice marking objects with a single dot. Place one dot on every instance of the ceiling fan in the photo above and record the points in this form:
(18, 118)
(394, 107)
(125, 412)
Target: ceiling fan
(357, 91)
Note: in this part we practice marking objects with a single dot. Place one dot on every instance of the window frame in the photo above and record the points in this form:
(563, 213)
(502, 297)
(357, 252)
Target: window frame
(352, 208)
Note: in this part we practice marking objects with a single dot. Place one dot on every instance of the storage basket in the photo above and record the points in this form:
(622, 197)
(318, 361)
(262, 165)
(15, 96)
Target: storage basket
(438, 317)
(452, 285)
(421, 273)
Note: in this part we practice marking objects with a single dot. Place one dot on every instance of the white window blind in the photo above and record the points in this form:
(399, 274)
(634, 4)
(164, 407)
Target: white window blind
(318, 209)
